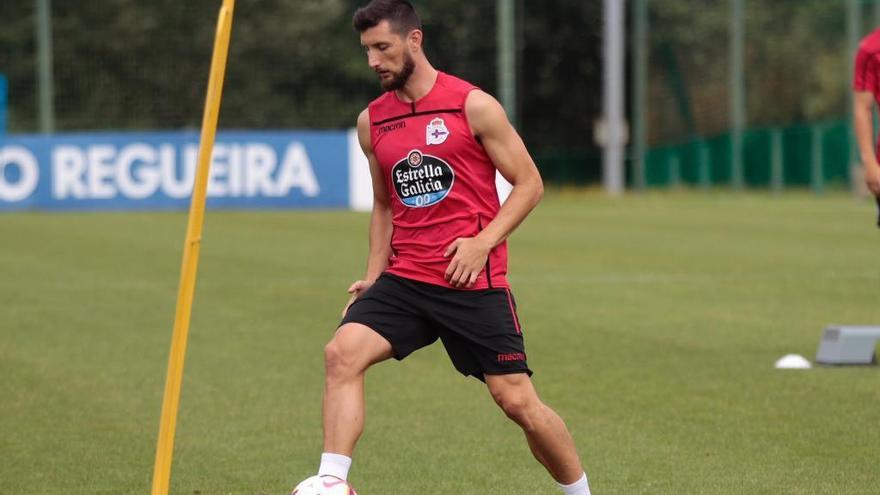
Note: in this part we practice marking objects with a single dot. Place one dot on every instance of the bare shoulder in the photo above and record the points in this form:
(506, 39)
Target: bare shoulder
(484, 112)
(479, 103)
(363, 130)
(363, 120)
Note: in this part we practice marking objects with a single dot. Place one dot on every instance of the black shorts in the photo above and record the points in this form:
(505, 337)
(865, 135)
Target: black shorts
(478, 328)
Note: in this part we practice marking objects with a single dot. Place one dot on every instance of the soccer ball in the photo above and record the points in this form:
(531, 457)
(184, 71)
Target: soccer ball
(323, 485)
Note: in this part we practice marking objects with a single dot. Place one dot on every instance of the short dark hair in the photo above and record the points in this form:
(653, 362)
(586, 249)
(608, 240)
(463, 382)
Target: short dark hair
(399, 13)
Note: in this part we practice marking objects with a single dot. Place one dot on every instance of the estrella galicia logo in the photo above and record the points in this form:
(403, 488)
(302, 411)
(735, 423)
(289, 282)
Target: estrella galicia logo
(422, 180)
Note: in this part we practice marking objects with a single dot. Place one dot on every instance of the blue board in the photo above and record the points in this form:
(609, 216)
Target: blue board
(155, 171)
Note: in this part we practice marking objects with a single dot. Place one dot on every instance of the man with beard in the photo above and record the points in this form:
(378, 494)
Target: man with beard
(437, 264)
(866, 85)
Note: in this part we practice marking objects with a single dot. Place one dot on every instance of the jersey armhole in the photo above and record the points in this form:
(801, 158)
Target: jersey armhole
(464, 114)
(864, 61)
(370, 128)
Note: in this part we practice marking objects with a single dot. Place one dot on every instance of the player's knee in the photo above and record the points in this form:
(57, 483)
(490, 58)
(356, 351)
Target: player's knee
(521, 408)
(338, 363)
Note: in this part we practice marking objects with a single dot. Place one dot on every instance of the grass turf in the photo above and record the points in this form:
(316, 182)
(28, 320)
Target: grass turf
(652, 323)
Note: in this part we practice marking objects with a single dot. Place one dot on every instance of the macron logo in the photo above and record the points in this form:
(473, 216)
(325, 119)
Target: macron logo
(515, 356)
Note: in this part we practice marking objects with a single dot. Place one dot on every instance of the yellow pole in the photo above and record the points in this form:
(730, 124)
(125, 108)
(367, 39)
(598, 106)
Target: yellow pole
(165, 444)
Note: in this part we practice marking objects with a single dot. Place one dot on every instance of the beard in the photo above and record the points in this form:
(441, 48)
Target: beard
(398, 80)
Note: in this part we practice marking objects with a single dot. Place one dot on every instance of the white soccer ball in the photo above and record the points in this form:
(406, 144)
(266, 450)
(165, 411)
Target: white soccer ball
(323, 485)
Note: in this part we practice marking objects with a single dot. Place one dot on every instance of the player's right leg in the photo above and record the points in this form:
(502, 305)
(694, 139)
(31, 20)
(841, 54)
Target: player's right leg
(353, 349)
(878, 210)
(380, 324)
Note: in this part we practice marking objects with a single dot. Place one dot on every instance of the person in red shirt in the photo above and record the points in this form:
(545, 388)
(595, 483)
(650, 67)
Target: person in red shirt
(866, 85)
(437, 261)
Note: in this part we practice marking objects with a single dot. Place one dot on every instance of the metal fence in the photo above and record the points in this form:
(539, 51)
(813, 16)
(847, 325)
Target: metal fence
(745, 93)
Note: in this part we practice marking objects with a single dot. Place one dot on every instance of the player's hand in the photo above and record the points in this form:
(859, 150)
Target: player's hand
(470, 254)
(356, 290)
(872, 178)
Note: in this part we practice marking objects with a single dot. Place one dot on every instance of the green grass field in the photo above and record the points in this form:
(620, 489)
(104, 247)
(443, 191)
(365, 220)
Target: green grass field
(652, 323)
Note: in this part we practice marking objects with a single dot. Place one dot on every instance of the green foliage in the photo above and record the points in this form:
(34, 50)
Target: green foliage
(142, 64)
(561, 74)
(796, 64)
(17, 61)
(135, 64)
(801, 50)
(129, 64)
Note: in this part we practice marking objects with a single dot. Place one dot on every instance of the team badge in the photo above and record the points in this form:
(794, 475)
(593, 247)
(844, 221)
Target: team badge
(422, 180)
(436, 132)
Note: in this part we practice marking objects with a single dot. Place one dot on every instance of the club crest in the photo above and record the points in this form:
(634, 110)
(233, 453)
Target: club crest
(436, 132)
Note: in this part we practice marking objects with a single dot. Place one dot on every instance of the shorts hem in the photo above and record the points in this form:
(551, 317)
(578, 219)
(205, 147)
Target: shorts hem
(510, 372)
(481, 375)
(394, 351)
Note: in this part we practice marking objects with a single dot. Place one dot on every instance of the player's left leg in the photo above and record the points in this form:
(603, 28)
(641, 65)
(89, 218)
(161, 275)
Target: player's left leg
(878, 210)
(546, 433)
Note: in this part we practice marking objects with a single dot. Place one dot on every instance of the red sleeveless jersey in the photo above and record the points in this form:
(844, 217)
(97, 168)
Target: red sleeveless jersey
(867, 68)
(440, 180)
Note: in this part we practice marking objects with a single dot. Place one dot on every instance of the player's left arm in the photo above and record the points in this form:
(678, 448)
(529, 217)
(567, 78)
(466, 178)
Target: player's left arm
(864, 85)
(508, 153)
(863, 117)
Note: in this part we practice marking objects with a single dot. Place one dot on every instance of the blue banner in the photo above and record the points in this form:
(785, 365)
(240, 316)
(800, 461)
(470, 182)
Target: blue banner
(156, 170)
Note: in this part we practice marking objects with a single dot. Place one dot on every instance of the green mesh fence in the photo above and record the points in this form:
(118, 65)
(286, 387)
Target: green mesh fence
(808, 155)
(795, 79)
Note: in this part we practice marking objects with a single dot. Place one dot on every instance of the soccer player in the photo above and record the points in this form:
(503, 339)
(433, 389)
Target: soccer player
(437, 260)
(866, 85)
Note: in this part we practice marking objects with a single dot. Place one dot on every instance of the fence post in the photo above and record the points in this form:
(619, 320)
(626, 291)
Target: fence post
(817, 176)
(640, 78)
(737, 92)
(853, 18)
(704, 171)
(777, 170)
(505, 37)
(612, 96)
(46, 89)
(674, 163)
(506, 57)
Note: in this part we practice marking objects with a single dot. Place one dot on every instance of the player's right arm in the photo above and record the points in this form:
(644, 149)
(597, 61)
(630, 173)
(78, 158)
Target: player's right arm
(863, 105)
(380, 219)
(865, 84)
